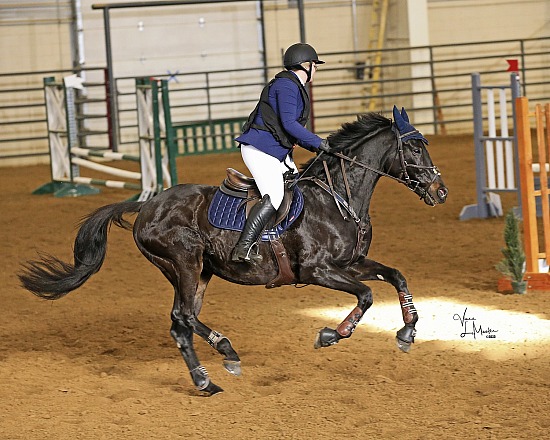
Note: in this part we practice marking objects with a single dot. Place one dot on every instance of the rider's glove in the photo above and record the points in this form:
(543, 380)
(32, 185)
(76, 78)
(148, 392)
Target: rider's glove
(324, 146)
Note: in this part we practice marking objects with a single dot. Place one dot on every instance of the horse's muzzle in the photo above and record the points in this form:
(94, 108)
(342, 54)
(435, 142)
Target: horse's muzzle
(436, 194)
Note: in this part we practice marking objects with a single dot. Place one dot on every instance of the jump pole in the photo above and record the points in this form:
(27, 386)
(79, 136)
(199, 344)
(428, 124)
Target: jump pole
(495, 156)
(66, 157)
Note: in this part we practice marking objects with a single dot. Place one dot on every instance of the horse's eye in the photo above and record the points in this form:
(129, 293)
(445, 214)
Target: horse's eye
(417, 151)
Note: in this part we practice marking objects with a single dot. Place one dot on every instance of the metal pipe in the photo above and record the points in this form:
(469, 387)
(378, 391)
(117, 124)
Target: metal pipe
(301, 20)
(77, 37)
(261, 13)
(111, 87)
(354, 25)
(149, 4)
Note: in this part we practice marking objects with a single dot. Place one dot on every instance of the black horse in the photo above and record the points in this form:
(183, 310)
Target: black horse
(326, 246)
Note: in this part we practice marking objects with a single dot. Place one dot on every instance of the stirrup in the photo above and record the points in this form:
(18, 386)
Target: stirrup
(253, 257)
(249, 257)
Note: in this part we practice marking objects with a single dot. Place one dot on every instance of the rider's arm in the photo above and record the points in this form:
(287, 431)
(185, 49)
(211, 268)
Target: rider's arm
(287, 96)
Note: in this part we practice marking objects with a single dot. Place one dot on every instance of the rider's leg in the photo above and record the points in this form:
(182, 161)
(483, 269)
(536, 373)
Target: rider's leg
(258, 218)
(266, 171)
(288, 167)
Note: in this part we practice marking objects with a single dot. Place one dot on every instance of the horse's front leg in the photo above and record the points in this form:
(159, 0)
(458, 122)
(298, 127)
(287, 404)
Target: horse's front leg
(337, 279)
(366, 270)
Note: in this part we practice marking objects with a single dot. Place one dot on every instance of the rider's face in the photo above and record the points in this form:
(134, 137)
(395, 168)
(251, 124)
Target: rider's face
(313, 69)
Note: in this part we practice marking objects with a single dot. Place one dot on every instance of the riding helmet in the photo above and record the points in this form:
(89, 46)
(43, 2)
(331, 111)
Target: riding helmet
(300, 53)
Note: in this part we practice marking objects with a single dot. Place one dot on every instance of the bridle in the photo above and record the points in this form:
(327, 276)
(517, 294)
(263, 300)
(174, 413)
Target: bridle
(413, 185)
(404, 178)
(345, 206)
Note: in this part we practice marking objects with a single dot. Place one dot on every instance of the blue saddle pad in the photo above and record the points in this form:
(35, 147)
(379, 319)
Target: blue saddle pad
(224, 213)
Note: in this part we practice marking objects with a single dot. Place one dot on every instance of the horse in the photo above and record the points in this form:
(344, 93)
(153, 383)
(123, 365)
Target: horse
(327, 244)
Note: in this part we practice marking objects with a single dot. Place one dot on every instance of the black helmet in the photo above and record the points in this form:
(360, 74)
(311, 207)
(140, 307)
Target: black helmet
(300, 53)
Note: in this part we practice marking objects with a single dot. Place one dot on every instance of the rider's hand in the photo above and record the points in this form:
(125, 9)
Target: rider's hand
(324, 146)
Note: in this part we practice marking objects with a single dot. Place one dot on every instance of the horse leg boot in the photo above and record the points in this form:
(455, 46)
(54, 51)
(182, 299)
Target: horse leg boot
(405, 336)
(257, 220)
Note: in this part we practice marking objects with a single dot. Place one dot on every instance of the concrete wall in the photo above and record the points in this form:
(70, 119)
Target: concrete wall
(465, 21)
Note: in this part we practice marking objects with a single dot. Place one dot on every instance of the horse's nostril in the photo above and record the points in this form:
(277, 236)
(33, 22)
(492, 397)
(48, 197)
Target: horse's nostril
(442, 193)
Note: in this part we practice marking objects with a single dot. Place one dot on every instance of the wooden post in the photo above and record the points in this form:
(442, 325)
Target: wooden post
(527, 184)
(536, 280)
(543, 145)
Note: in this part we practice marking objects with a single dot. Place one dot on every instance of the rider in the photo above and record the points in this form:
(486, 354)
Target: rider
(273, 129)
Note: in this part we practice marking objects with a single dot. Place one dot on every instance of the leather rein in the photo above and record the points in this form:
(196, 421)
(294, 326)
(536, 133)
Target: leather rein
(343, 205)
(404, 178)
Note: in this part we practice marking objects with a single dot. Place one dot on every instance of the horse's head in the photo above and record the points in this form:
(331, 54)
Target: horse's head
(384, 147)
(412, 164)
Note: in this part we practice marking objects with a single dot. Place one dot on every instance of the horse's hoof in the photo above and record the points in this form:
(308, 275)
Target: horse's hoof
(405, 347)
(211, 389)
(233, 367)
(406, 336)
(326, 337)
(317, 343)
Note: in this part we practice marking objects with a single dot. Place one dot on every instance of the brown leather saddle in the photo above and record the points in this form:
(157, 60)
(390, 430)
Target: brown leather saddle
(236, 183)
(239, 185)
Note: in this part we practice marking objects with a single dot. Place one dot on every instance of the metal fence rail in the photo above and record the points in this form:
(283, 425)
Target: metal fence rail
(23, 124)
(438, 100)
(340, 93)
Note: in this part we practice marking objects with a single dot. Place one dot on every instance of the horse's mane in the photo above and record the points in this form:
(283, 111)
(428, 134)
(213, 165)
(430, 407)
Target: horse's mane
(351, 132)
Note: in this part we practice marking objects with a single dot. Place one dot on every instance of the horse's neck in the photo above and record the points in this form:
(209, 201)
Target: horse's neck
(361, 184)
(361, 181)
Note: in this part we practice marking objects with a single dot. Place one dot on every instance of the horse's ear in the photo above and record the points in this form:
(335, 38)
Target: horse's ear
(402, 125)
(404, 115)
(396, 115)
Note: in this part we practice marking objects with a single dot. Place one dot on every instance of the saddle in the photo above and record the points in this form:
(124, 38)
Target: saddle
(243, 187)
(236, 183)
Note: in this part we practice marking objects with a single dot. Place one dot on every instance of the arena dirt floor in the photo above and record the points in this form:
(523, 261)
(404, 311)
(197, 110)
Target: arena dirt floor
(100, 363)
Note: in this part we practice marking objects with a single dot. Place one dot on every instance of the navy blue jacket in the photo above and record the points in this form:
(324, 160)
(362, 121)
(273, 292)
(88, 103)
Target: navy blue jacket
(285, 98)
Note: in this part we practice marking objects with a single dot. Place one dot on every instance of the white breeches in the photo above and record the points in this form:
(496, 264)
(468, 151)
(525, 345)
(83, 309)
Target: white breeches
(268, 172)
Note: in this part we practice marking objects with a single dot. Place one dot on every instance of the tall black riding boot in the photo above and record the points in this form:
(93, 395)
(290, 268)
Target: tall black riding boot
(257, 220)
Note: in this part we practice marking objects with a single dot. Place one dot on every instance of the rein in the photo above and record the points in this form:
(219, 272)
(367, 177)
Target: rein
(344, 205)
(413, 185)
(406, 180)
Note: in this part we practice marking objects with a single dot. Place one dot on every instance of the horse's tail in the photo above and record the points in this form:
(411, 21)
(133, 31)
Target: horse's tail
(51, 278)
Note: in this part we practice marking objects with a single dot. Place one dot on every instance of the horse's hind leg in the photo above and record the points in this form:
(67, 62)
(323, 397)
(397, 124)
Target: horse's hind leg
(367, 270)
(185, 276)
(183, 324)
(182, 332)
(189, 293)
(219, 342)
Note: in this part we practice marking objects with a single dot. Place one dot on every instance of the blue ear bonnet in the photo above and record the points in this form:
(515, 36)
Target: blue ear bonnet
(405, 129)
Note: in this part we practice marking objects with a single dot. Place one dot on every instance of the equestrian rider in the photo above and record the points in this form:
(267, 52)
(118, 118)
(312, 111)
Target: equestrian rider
(273, 129)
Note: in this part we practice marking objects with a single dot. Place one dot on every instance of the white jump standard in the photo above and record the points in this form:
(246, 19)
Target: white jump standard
(157, 165)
